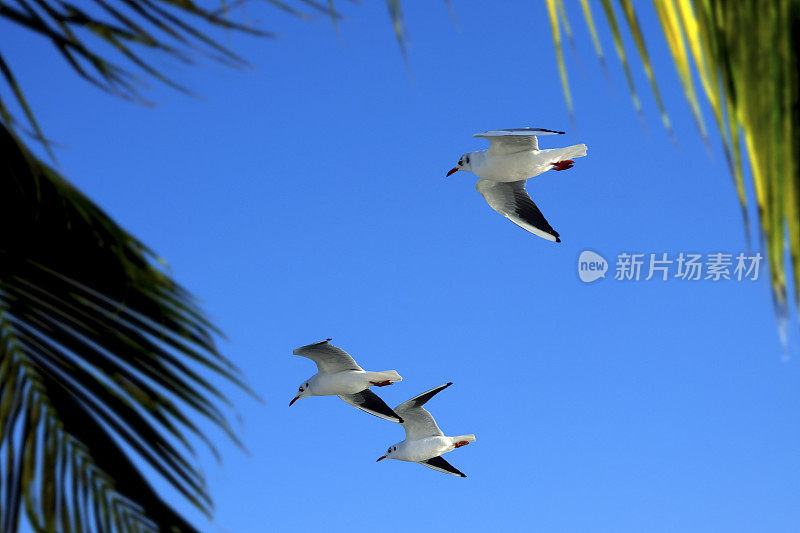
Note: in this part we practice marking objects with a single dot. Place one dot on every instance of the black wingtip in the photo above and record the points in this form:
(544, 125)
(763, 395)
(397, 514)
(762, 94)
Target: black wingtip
(549, 131)
(558, 239)
(449, 383)
(463, 475)
(400, 420)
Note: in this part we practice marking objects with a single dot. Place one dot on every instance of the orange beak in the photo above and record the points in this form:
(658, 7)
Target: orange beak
(381, 458)
(453, 171)
(294, 400)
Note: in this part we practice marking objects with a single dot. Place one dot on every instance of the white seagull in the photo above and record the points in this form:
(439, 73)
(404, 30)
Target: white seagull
(425, 442)
(338, 374)
(513, 157)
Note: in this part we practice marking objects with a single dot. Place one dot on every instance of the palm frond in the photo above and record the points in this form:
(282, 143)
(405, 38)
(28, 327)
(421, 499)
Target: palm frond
(616, 33)
(598, 48)
(102, 39)
(745, 54)
(555, 26)
(102, 364)
(398, 22)
(104, 360)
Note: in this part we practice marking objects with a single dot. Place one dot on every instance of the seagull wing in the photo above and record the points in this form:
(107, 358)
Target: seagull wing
(514, 140)
(328, 357)
(418, 422)
(439, 464)
(511, 200)
(368, 401)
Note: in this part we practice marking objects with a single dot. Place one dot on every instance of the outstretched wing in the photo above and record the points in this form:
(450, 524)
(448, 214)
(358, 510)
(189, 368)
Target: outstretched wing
(511, 200)
(328, 357)
(418, 422)
(514, 140)
(437, 463)
(368, 401)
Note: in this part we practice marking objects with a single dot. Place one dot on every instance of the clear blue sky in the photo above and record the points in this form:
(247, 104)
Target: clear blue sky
(305, 198)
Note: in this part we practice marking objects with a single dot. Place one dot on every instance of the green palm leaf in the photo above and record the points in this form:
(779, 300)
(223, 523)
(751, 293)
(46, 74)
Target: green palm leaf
(127, 26)
(745, 53)
(104, 360)
(100, 352)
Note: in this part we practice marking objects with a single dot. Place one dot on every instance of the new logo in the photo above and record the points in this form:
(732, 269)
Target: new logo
(591, 266)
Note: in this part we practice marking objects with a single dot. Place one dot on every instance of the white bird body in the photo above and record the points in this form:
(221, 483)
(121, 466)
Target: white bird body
(339, 375)
(425, 442)
(419, 450)
(518, 166)
(348, 381)
(513, 157)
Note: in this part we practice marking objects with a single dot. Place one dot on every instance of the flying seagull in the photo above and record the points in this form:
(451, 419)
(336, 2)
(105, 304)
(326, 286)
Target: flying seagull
(425, 442)
(338, 374)
(513, 157)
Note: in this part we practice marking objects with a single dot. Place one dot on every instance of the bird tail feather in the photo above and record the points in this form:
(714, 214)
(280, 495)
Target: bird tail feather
(576, 150)
(389, 375)
(468, 438)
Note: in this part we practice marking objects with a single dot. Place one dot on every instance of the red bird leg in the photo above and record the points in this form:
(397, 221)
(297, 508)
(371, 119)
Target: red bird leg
(461, 443)
(563, 165)
(381, 383)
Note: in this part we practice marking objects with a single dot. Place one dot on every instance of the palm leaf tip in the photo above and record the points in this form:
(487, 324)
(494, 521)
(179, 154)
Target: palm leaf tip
(555, 26)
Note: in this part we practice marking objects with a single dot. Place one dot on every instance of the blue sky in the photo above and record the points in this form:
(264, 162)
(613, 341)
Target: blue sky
(305, 198)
